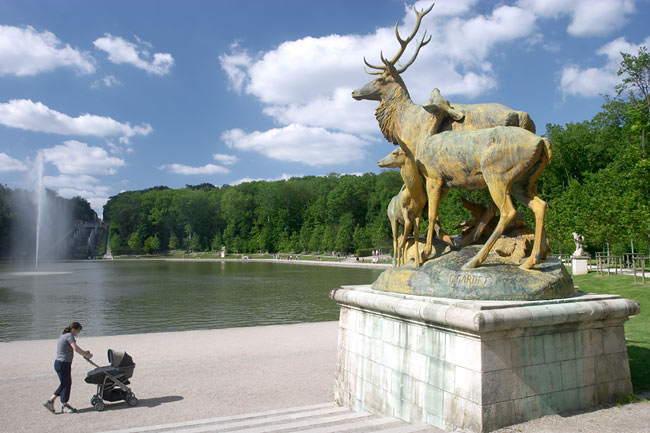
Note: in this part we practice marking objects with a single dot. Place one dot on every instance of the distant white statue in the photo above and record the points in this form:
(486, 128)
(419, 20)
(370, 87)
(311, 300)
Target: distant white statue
(580, 248)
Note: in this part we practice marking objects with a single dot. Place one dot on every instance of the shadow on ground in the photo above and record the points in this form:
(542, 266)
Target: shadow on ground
(146, 402)
(639, 357)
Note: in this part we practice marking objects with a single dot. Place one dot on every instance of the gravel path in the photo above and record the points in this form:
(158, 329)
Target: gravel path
(183, 376)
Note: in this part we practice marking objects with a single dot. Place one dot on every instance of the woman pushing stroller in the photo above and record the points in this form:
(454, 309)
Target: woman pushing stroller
(65, 348)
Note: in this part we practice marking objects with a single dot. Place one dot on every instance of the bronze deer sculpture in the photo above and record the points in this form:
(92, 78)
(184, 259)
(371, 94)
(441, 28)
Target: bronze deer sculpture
(506, 160)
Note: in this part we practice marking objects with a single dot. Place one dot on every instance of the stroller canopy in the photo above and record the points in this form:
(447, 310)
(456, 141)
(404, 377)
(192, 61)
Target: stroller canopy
(119, 358)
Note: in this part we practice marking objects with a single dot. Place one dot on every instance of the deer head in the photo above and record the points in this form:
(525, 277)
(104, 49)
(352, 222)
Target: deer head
(384, 86)
(439, 106)
(395, 159)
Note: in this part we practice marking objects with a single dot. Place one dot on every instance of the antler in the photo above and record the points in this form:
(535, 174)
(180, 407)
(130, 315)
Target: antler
(403, 44)
(420, 45)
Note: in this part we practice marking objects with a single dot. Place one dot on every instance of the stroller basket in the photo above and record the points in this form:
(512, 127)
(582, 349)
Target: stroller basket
(112, 380)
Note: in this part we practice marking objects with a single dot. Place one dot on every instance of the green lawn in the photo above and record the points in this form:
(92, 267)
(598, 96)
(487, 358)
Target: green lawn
(637, 329)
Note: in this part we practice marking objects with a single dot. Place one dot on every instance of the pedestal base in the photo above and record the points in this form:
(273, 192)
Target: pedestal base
(479, 365)
(579, 265)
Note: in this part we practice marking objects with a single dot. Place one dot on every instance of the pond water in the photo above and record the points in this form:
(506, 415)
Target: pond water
(125, 297)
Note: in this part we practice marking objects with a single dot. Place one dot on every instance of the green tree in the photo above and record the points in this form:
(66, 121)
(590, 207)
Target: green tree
(195, 243)
(636, 82)
(152, 244)
(216, 242)
(114, 243)
(135, 242)
(345, 235)
(174, 243)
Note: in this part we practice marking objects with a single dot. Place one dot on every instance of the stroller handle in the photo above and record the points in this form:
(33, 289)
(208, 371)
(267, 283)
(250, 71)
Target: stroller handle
(88, 359)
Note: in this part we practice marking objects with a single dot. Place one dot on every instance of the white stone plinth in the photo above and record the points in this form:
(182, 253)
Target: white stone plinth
(579, 265)
(479, 365)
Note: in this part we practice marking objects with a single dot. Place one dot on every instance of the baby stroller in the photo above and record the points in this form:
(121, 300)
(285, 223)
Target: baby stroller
(112, 380)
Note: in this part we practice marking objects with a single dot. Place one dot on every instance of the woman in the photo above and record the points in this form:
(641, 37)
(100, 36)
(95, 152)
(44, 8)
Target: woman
(65, 349)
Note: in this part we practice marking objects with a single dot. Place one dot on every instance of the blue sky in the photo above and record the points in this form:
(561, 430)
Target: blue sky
(126, 95)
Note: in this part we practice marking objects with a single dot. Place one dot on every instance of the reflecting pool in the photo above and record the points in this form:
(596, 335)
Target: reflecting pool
(125, 297)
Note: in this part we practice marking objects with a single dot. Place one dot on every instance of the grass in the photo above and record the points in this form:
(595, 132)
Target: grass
(637, 329)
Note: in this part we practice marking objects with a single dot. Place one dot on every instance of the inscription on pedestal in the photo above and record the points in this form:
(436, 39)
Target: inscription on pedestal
(469, 279)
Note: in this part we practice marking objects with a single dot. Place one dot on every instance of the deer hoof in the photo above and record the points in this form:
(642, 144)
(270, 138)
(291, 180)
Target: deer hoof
(528, 264)
(470, 265)
(449, 240)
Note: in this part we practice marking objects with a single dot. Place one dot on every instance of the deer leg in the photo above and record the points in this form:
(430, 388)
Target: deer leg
(477, 231)
(408, 227)
(538, 206)
(501, 196)
(398, 251)
(441, 233)
(434, 194)
(393, 226)
(416, 237)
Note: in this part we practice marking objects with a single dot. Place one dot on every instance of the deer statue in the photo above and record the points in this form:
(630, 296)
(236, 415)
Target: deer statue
(506, 160)
(405, 123)
(409, 202)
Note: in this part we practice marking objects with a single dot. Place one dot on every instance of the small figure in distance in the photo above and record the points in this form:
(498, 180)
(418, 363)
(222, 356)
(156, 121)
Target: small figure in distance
(65, 348)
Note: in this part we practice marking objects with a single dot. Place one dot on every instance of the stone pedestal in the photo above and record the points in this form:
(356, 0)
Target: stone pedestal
(579, 265)
(479, 365)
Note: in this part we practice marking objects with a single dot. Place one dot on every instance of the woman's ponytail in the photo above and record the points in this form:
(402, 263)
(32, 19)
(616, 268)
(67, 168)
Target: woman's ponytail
(71, 326)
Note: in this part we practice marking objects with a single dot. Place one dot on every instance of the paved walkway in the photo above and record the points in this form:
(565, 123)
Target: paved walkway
(269, 378)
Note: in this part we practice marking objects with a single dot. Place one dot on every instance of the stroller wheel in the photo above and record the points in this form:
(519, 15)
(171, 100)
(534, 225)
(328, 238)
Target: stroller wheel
(99, 406)
(94, 400)
(131, 400)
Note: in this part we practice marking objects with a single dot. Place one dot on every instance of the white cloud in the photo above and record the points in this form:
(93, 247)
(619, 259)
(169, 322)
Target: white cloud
(81, 182)
(191, 171)
(595, 81)
(472, 40)
(36, 116)
(338, 111)
(283, 176)
(298, 143)
(26, 52)
(120, 51)
(7, 163)
(84, 186)
(74, 157)
(235, 65)
(106, 81)
(587, 82)
(225, 159)
(588, 17)
(93, 196)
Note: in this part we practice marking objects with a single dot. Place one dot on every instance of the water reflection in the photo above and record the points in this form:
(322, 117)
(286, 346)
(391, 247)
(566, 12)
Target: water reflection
(131, 297)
